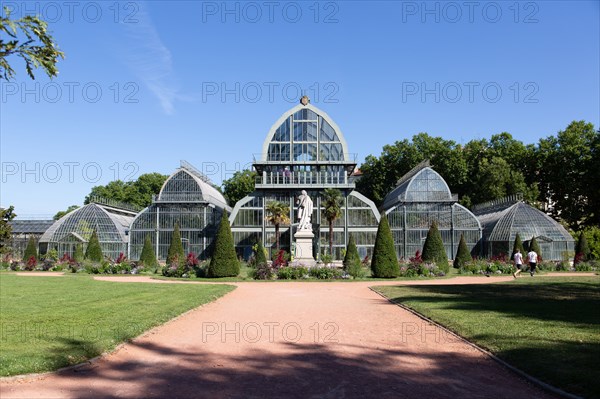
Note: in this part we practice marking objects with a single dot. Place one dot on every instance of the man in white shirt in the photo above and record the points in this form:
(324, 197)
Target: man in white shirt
(518, 259)
(532, 258)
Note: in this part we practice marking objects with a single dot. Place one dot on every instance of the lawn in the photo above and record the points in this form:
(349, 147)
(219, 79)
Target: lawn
(50, 322)
(548, 327)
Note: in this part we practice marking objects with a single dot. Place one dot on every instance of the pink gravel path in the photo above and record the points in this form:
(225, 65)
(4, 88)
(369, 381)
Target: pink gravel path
(289, 340)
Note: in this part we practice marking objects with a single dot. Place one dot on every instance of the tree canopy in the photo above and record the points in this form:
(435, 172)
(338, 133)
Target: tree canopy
(6, 215)
(60, 214)
(239, 185)
(136, 192)
(29, 39)
(559, 171)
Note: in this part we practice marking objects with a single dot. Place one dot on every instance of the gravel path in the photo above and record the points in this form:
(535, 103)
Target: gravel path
(296, 340)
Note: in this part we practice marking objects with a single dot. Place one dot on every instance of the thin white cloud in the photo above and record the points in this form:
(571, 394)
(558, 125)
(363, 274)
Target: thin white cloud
(150, 59)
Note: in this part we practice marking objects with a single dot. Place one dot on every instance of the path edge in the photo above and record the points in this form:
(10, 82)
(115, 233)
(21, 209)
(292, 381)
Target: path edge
(530, 378)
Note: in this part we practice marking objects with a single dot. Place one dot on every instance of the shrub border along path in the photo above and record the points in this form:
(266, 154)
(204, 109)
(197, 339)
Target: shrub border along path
(323, 340)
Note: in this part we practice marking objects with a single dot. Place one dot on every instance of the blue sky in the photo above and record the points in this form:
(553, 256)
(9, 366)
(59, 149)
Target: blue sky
(146, 84)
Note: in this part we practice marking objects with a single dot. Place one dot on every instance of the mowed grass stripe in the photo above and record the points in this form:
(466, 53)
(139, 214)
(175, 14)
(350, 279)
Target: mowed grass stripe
(51, 322)
(548, 327)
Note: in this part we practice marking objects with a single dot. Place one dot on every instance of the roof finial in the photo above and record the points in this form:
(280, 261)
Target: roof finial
(304, 100)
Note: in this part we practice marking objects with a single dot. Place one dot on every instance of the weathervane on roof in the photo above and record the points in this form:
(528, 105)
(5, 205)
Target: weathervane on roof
(304, 100)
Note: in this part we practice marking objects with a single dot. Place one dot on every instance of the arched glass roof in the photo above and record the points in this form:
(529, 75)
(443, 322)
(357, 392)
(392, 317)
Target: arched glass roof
(421, 185)
(80, 223)
(504, 224)
(188, 185)
(304, 134)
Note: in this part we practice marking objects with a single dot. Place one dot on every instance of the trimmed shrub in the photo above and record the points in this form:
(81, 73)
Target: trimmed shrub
(175, 254)
(30, 250)
(462, 254)
(93, 251)
(77, 255)
(224, 262)
(351, 256)
(518, 244)
(148, 257)
(534, 246)
(582, 250)
(260, 257)
(433, 249)
(384, 263)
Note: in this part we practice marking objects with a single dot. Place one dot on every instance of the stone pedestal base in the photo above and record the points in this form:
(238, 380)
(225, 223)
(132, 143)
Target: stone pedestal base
(304, 248)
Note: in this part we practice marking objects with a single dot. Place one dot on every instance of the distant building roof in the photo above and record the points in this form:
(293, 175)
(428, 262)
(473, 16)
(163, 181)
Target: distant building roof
(30, 226)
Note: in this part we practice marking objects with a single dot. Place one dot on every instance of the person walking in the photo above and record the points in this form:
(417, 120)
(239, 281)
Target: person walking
(518, 259)
(532, 258)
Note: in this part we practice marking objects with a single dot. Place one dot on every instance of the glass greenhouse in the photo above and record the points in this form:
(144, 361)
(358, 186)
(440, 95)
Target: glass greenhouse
(503, 219)
(420, 198)
(109, 219)
(304, 150)
(187, 198)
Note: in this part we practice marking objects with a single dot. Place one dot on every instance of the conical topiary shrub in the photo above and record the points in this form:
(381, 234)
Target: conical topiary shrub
(224, 261)
(518, 244)
(582, 250)
(433, 249)
(259, 256)
(534, 246)
(384, 263)
(78, 254)
(93, 251)
(148, 256)
(351, 256)
(30, 250)
(462, 254)
(175, 253)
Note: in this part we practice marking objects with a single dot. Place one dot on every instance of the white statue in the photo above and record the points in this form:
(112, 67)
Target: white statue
(305, 210)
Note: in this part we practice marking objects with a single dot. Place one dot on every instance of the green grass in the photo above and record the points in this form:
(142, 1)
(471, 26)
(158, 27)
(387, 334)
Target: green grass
(51, 322)
(548, 327)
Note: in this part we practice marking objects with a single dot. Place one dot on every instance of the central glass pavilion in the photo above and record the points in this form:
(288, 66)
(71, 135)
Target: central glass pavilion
(304, 150)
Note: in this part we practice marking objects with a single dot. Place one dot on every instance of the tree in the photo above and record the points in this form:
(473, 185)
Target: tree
(6, 215)
(332, 210)
(463, 256)
(30, 250)
(138, 192)
(60, 214)
(518, 244)
(582, 250)
(36, 48)
(433, 249)
(568, 171)
(148, 256)
(352, 259)
(534, 246)
(224, 261)
(384, 263)
(93, 251)
(277, 214)
(239, 185)
(175, 253)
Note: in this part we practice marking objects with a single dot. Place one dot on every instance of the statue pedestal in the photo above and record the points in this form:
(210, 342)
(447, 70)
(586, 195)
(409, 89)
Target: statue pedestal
(304, 248)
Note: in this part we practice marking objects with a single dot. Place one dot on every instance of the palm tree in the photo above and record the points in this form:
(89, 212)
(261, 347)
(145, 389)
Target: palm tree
(278, 213)
(332, 209)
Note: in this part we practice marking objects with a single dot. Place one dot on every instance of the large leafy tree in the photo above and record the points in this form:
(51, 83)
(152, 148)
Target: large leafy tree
(6, 215)
(29, 39)
(277, 214)
(60, 214)
(568, 173)
(239, 185)
(138, 192)
(332, 202)
(224, 261)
